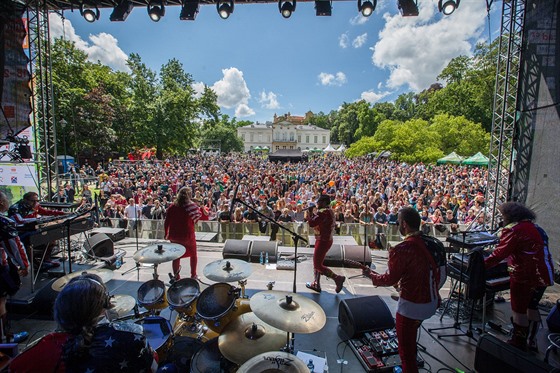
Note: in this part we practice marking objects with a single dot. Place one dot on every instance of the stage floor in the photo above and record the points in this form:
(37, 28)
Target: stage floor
(456, 352)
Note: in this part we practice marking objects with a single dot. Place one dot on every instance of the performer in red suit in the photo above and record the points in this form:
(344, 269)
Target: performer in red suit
(323, 223)
(525, 245)
(414, 269)
(179, 228)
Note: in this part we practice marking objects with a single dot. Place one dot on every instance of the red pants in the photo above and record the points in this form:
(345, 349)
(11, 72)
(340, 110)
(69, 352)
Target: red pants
(407, 330)
(319, 253)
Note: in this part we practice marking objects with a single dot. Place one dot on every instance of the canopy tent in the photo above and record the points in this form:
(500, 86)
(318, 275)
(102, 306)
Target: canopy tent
(315, 150)
(329, 148)
(451, 158)
(257, 148)
(286, 155)
(478, 159)
(341, 148)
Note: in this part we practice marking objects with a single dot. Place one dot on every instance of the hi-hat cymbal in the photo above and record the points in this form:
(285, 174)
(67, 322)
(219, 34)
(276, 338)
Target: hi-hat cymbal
(121, 305)
(105, 274)
(290, 312)
(247, 336)
(274, 361)
(159, 253)
(227, 270)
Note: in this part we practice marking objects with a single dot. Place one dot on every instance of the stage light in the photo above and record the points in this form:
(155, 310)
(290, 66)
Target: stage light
(367, 7)
(448, 7)
(90, 14)
(121, 11)
(189, 10)
(156, 10)
(408, 8)
(323, 8)
(225, 8)
(286, 8)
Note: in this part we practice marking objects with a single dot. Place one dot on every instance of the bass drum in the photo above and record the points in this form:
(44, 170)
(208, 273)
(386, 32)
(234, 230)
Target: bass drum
(218, 304)
(209, 359)
(182, 296)
(158, 333)
(152, 295)
(184, 348)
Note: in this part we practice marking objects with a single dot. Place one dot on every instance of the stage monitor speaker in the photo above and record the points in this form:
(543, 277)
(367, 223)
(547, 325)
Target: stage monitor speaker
(270, 247)
(237, 249)
(334, 257)
(364, 314)
(99, 245)
(495, 356)
(115, 234)
(356, 253)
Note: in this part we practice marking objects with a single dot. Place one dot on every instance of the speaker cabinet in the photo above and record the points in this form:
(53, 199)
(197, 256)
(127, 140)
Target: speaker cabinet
(364, 314)
(237, 249)
(356, 253)
(495, 356)
(99, 245)
(115, 234)
(335, 256)
(270, 247)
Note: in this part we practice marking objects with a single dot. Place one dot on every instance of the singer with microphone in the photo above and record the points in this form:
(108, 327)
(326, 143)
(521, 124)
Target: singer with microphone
(179, 223)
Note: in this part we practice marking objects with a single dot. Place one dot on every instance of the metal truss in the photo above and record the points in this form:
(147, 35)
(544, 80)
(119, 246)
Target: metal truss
(42, 97)
(503, 140)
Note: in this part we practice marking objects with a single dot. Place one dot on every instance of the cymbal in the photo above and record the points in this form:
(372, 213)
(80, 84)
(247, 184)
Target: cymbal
(159, 253)
(247, 336)
(274, 361)
(121, 305)
(290, 312)
(105, 274)
(228, 270)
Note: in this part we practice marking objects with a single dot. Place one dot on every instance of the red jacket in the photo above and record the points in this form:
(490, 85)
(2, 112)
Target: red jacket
(409, 266)
(179, 228)
(323, 224)
(528, 262)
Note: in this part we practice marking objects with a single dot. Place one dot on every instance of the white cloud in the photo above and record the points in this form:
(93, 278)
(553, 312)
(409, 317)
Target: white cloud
(359, 19)
(416, 49)
(102, 47)
(198, 89)
(232, 92)
(337, 79)
(269, 100)
(343, 40)
(244, 111)
(359, 40)
(372, 96)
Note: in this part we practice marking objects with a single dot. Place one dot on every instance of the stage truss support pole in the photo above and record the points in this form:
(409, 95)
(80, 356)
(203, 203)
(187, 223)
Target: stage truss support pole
(505, 118)
(42, 97)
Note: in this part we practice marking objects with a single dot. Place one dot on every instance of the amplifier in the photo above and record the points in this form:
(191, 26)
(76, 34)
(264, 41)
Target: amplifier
(115, 234)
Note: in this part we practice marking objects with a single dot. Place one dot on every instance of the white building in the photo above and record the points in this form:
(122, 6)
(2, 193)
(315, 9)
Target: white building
(285, 132)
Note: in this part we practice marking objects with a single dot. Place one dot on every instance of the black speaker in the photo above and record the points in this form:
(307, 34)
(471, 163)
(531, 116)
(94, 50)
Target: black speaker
(334, 257)
(237, 249)
(270, 247)
(99, 245)
(553, 318)
(364, 314)
(495, 356)
(356, 253)
(115, 234)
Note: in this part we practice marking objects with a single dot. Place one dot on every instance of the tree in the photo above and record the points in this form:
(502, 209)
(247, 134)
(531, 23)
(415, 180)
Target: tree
(225, 132)
(460, 135)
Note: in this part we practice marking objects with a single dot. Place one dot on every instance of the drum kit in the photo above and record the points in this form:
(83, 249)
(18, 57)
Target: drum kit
(220, 328)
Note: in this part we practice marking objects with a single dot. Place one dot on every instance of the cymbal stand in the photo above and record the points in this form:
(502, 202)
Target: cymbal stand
(365, 250)
(242, 284)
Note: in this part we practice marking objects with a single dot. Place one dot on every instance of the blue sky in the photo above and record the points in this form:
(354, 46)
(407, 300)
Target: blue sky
(260, 64)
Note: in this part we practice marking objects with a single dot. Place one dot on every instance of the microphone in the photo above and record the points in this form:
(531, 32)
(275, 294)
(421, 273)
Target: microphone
(232, 205)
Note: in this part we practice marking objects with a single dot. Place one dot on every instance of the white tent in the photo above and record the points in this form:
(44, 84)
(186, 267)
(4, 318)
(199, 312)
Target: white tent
(341, 148)
(329, 148)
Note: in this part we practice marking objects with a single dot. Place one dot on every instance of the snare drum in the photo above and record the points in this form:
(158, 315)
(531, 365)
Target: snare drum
(218, 304)
(209, 359)
(152, 295)
(157, 331)
(182, 296)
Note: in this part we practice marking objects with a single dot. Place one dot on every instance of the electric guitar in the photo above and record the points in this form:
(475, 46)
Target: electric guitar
(355, 264)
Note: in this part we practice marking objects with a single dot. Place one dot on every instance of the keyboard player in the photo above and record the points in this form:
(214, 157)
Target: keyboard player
(525, 245)
(28, 210)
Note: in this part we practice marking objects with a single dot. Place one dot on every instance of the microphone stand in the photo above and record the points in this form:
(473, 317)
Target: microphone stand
(296, 237)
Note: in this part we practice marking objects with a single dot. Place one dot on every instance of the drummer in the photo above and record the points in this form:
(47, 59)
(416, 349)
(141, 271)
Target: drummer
(179, 223)
(81, 344)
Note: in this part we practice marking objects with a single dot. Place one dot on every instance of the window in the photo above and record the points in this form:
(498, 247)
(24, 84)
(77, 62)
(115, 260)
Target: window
(291, 136)
(324, 139)
(243, 136)
(314, 139)
(307, 139)
(298, 138)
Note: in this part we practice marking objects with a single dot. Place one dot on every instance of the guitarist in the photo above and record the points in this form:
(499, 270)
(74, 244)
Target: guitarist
(413, 266)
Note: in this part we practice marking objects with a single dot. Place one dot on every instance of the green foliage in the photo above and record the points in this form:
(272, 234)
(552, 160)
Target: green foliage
(225, 132)
(460, 135)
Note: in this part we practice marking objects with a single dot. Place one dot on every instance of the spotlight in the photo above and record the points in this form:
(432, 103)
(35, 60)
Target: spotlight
(90, 14)
(189, 10)
(408, 8)
(225, 8)
(121, 11)
(323, 8)
(156, 10)
(448, 7)
(286, 8)
(367, 7)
